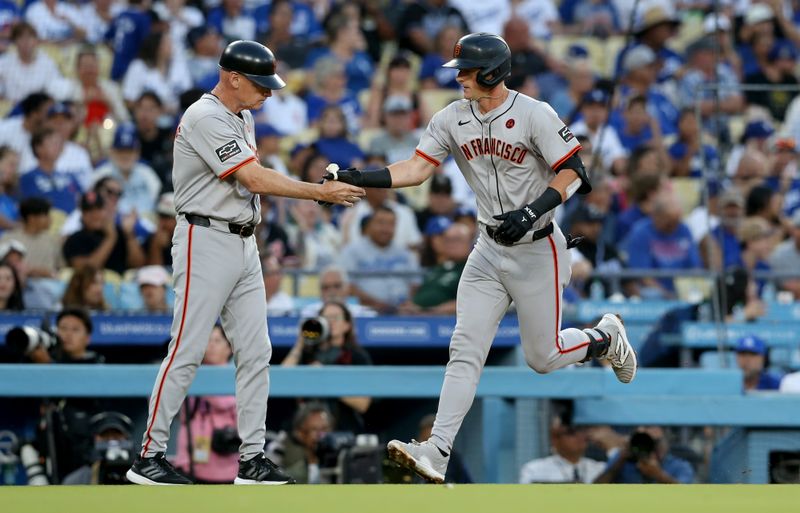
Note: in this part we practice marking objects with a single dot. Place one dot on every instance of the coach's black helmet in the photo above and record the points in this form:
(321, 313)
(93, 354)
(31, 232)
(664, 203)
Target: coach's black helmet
(253, 60)
(488, 53)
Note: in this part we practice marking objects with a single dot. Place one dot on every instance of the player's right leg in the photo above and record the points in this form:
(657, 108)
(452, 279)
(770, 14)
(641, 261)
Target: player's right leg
(480, 305)
(203, 278)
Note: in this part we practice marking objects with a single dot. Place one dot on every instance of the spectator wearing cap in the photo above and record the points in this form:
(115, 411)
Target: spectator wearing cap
(205, 46)
(760, 22)
(126, 33)
(782, 60)
(786, 257)
(439, 201)
(437, 293)
(604, 137)
(44, 257)
(16, 131)
(101, 243)
(74, 158)
(315, 238)
(329, 88)
(278, 302)
(654, 27)
(431, 73)
(689, 153)
(376, 252)
(155, 141)
(140, 184)
(420, 23)
(152, 281)
(158, 246)
(47, 181)
(717, 26)
(346, 44)
(754, 140)
(233, 20)
(639, 74)
(28, 69)
(100, 97)
(157, 69)
(333, 139)
(698, 85)
(433, 231)
(660, 241)
(113, 438)
(751, 358)
(729, 206)
(289, 48)
(268, 139)
(399, 138)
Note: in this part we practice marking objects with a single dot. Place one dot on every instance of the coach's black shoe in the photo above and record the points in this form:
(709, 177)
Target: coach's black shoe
(155, 471)
(261, 471)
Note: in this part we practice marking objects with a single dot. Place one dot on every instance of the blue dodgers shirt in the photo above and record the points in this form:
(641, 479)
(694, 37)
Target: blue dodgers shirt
(647, 248)
(678, 469)
(61, 189)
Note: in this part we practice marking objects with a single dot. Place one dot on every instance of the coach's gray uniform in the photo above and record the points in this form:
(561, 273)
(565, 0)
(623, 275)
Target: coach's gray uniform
(507, 156)
(216, 272)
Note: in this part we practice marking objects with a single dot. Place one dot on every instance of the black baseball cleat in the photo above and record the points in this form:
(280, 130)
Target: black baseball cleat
(261, 471)
(155, 471)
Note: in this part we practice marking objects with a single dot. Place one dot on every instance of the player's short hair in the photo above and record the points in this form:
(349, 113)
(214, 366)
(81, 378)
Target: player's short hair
(80, 314)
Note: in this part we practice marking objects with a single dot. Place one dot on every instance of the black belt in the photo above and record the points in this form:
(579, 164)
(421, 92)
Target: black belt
(541, 233)
(242, 230)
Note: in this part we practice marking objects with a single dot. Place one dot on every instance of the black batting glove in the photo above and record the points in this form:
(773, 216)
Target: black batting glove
(350, 176)
(516, 224)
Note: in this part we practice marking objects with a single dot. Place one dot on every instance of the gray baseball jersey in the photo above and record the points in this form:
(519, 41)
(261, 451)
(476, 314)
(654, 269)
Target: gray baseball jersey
(217, 274)
(506, 155)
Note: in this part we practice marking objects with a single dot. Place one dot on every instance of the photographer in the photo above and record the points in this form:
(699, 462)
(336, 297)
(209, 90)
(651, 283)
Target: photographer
(297, 452)
(208, 442)
(113, 451)
(645, 459)
(331, 340)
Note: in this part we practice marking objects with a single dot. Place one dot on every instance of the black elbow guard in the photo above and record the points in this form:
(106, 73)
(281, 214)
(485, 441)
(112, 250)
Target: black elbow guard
(576, 164)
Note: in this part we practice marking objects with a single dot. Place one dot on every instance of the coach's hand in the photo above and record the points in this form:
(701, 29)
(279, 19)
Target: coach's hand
(516, 223)
(340, 193)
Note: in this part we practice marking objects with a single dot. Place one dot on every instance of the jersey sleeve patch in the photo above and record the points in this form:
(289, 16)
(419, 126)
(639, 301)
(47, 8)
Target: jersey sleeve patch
(565, 134)
(228, 150)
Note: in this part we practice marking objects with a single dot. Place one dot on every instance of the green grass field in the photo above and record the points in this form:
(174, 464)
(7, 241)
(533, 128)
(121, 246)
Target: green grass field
(404, 498)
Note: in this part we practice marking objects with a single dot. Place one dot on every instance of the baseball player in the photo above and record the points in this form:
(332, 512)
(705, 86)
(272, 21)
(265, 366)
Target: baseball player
(522, 162)
(217, 270)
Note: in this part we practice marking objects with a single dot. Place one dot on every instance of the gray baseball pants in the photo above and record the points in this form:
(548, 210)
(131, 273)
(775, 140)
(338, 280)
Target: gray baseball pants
(216, 274)
(533, 275)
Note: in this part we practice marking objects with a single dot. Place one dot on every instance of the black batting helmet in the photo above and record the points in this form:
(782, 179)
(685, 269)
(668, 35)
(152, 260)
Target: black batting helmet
(253, 60)
(488, 53)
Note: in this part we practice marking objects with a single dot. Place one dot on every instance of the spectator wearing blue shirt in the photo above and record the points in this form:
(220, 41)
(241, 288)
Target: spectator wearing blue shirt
(431, 73)
(726, 233)
(347, 45)
(329, 87)
(592, 17)
(126, 34)
(782, 177)
(751, 358)
(59, 187)
(643, 189)
(333, 142)
(661, 242)
(638, 128)
(758, 241)
(690, 156)
(646, 459)
(757, 36)
(653, 29)
(303, 22)
(291, 49)
(9, 213)
(233, 20)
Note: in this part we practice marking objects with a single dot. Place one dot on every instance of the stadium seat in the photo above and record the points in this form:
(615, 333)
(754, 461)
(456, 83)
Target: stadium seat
(688, 191)
(711, 359)
(435, 100)
(129, 297)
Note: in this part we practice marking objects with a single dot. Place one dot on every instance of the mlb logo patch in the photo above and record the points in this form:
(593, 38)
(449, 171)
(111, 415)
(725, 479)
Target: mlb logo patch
(566, 134)
(228, 150)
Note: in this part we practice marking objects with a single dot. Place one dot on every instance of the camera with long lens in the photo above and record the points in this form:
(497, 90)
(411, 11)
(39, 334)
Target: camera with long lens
(115, 457)
(23, 340)
(331, 444)
(641, 446)
(314, 331)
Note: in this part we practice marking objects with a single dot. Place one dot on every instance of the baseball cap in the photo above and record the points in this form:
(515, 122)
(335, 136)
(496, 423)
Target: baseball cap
(91, 200)
(166, 205)
(59, 109)
(751, 344)
(711, 23)
(152, 275)
(637, 57)
(463, 211)
(653, 17)
(782, 50)
(757, 13)
(197, 33)
(12, 245)
(436, 225)
(397, 103)
(595, 96)
(758, 128)
(107, 420)
(706, 43)
(126, 138)
(267, 130)
(441, 184)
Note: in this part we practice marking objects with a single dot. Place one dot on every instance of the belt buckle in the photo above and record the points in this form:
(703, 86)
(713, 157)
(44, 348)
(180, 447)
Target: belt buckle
(246, 231)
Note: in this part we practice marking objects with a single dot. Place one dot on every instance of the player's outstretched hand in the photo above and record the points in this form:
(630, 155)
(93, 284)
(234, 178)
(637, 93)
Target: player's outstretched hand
(340, 193)
(350, 175)
(516, 224)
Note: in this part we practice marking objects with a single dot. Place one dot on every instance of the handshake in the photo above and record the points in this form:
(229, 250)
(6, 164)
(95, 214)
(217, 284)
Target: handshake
(381, 178)
(346, 192)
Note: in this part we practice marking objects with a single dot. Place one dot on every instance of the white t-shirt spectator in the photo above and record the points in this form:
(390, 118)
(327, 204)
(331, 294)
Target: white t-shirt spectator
(140, 78)
(180, 24)
(555, 469)
(91, 22)
(140, 189)
(18, 80)
(406, 231)
(611, 148)
(50, 25)
(287, 112)
(363, 255)
(74, 159)
(280, 304)
(13, 135)
(484, 15)
(539, 14)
